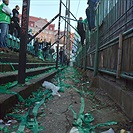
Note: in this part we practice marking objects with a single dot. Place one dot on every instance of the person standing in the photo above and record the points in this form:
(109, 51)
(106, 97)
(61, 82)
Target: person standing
(15, 22)
(5, 16)
(44, 49)
(41, 43)
(91, 13)
(61, 54)
(36, 46)
(81, 30)
(30, 36)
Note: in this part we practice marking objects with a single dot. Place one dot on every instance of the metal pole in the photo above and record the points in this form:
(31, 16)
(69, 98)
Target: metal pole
(69, 28)
(58, 35)
(69, 18)
(65, 26)
(69, 24)
(85, 65)
(68, 9)
(97, 45)
(23, 42)
(68, 31)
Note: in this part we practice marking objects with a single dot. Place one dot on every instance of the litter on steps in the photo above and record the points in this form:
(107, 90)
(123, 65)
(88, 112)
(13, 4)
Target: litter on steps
(124, 131)
(112, 131)
(52, 87)
(74, 130)
(109, 131)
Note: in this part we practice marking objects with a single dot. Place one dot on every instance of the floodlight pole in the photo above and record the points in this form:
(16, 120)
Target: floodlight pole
(57, 58)
(65, 26)
(23, 42)
(68, 30)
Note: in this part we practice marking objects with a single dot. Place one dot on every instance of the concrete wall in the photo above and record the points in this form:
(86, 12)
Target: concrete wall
(118, 93)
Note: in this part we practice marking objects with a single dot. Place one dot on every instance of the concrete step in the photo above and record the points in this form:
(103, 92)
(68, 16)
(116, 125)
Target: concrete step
(13, 57)
(13, 75)
(7, 101)
(5, 67)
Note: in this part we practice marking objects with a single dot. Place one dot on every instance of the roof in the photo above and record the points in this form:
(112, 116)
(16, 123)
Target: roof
(31, 18)
(34, 19)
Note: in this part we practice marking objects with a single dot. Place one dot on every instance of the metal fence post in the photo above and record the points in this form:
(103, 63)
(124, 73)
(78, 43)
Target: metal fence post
(58, 35)
(97, 45)
(23, 42)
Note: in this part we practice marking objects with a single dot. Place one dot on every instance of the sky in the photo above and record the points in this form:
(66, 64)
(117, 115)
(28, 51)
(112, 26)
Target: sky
(50, 8)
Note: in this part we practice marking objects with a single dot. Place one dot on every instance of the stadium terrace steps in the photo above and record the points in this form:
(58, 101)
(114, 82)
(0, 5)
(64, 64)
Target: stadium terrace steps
(13, 75)
(37, 71)
(7, 101)
(13, 57)
(5, 67)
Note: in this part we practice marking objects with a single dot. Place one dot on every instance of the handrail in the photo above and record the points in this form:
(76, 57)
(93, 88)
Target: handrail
(90, 68)
(114, 74)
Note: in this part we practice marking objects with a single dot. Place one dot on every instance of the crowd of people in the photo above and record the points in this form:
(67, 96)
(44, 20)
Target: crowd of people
(43, 45)
(10, 23)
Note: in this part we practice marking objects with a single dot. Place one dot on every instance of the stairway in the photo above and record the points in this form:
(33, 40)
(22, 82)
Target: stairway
(36, 72)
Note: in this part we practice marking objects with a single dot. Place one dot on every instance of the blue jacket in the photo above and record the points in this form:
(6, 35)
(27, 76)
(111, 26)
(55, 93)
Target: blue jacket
(92, 3)
(95, 1)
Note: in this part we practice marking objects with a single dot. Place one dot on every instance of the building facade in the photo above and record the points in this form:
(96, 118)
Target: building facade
(50, 34)
(35, 24)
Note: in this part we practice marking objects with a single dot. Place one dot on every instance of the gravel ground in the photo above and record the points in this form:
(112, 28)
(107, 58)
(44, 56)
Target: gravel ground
(56, 117)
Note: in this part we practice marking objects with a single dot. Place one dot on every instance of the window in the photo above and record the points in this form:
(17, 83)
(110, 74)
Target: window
(31, 24)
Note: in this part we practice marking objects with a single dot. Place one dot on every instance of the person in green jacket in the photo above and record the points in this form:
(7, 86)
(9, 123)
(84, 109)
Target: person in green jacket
(5, 16)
